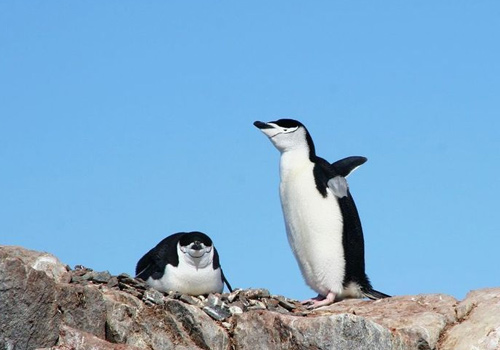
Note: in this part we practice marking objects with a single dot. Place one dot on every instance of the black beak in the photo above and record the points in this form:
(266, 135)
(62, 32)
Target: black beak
(262, 125)
(196, 246)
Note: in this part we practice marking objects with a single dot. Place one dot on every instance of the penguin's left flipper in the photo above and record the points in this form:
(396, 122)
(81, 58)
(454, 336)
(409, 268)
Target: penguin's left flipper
(344, 167)
(339, 186)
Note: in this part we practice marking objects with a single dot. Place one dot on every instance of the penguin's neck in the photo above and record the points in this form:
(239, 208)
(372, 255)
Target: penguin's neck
(294, 160)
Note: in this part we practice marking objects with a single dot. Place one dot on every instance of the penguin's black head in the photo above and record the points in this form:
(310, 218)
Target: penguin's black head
(195, 244)
(287, 135)
(285, 125)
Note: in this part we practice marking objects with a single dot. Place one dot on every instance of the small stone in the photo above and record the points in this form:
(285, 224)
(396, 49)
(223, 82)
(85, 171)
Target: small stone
(232, 296)
(88, 276)
(235, 310)
(257, 293)
(137, 283)
(81, 267)
(174, 294)
(213, 300)
(237, 305)
(217, 312)
(216, 308)
(287, 305)
(244, 301)
(271, 303)
(113, 282)
(101, 277)
(153, 296)
(80, 278)
(257, 305)
(130, 290)
(188, 299)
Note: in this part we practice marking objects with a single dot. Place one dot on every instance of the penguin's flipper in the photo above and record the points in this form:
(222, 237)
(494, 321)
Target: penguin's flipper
(346, 166)
(374, 294)
(152, 264)
(339, 186)
(144, 267)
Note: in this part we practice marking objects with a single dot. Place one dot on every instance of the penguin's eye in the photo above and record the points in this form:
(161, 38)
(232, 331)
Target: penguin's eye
(289, 130)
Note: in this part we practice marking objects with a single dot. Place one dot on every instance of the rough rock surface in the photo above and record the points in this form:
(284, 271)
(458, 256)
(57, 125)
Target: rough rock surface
(46, 305)
(478, 322)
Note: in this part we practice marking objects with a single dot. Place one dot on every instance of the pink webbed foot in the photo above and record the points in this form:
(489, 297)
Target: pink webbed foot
(319, 301)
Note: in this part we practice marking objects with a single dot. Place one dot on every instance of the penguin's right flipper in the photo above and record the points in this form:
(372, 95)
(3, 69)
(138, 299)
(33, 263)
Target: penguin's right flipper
(344, 167)
(374, 294)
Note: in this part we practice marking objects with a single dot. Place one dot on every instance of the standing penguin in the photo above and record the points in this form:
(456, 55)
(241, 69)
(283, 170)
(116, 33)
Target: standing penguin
(186, 262)
(321, 219)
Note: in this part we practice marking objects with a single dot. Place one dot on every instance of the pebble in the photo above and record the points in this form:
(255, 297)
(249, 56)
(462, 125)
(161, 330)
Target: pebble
(286, 304)
(188, 299)
(232, 296)
(113, 282)
(235, 310)
(256, 293)
(257, 305)
(218, 306)
(216, 312)
(244, 301)
(81, 267)
(153, 296)
(101, 277)
(130, 290)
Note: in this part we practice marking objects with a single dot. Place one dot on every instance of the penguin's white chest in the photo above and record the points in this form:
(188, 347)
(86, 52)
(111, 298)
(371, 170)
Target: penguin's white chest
(314, 228)
(187, 279)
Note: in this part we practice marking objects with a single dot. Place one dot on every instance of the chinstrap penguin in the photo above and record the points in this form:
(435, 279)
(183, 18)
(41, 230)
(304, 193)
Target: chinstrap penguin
(321, 219)
(186, 262)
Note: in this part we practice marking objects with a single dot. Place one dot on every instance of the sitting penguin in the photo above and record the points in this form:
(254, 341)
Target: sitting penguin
(186, 262)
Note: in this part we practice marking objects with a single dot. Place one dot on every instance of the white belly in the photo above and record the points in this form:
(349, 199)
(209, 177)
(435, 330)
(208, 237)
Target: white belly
(188, 280)
(314, 229)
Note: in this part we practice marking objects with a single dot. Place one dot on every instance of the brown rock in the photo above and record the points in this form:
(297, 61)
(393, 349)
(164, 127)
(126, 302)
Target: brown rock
(83, 308)
(73, 339)
(40, 309)
(44, 262)
(269, 330)
(29, 315)
(175, 325)
(420, 318)
(479, 327)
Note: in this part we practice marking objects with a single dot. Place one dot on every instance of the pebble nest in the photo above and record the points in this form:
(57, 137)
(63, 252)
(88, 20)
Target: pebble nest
(218, 306)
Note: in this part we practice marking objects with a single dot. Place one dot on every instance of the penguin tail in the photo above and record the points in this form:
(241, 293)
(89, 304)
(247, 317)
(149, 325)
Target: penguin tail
(374, 294)
(224, 280)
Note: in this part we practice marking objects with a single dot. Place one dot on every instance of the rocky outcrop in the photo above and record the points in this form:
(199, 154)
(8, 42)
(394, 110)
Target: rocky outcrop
(46, 305)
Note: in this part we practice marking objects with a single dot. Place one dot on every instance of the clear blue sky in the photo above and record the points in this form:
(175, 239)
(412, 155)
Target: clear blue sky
(122, 122)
